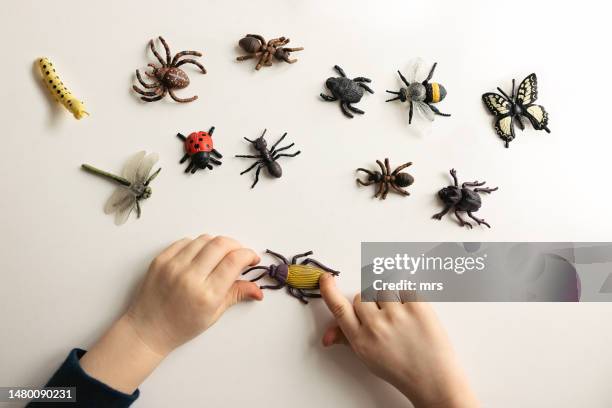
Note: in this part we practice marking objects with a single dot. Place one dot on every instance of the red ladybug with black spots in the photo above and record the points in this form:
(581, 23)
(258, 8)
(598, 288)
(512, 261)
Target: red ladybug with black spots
(199, 149)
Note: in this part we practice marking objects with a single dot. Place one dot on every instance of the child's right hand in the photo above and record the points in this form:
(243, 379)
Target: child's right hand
(402, 343)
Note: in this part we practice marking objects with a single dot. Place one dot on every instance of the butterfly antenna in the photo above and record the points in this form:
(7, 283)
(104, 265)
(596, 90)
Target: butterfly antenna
(513, 83)
(503, 93)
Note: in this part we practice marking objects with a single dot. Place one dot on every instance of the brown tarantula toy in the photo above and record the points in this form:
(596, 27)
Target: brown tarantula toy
(257, 46)
(385, 179)
(168, 76)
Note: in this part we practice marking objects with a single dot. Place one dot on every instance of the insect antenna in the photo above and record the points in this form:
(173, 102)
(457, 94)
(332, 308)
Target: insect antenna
(513, 83)
(504, 94)
(254, 268)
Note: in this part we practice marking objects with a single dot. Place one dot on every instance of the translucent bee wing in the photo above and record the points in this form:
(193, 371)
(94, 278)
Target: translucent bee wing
(417, 71)
(145, 167)
(119, 197)
(424, 111)
(132, 166)
(124, 211)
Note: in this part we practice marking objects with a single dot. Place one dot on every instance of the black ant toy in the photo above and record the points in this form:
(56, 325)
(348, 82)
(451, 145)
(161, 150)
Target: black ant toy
(267, 158)
(463, 199)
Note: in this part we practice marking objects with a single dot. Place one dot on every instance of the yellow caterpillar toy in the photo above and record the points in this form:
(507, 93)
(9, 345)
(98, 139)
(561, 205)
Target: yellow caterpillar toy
(59, 91)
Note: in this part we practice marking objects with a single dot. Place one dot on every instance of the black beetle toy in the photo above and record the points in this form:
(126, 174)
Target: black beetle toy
(267, 157)
(199, 148)
(347, 91)
(463, 200)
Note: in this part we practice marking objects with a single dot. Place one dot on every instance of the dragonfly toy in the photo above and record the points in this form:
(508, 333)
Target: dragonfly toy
(133, 185)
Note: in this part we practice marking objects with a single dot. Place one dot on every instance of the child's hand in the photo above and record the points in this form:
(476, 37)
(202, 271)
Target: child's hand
(402, 343)
(187, 288)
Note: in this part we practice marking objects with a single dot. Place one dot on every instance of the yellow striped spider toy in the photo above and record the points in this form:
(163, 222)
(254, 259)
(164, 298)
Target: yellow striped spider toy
(298, 278)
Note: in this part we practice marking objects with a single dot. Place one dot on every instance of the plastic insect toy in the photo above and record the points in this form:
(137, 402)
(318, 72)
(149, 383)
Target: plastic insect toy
(59, 91)
(463, 199)
(509, 109)
(267, 157)
(257, 47)
(385, 178)
(168, 76)
(347, 91)
(420, 93)
(298, 278)
(133, 185)
(199, 148)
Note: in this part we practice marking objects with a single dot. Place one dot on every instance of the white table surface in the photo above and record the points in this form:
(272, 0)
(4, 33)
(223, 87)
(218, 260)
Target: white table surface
(67, 271)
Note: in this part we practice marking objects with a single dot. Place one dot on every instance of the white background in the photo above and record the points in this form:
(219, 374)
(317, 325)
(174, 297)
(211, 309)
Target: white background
(68, 271)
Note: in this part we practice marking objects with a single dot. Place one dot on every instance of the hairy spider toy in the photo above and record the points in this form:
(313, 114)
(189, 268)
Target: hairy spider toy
(199, 148)
(385, 178)
(256, 46)
(420, 93)
(347, 91)
(298, 278)
(267, 157)
(168, 76)
(463, 199)
(509, 109)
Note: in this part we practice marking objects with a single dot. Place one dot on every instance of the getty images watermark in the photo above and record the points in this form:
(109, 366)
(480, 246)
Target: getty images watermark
(487, 271)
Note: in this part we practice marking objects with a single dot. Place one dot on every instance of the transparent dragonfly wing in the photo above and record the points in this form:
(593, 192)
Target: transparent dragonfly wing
(117, 200)
(124, 211)
(146, 164)
(418, 70)
(424, 110)
(132, 165)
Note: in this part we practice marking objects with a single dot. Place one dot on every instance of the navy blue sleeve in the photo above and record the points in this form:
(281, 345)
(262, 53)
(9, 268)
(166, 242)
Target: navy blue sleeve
(90, 392)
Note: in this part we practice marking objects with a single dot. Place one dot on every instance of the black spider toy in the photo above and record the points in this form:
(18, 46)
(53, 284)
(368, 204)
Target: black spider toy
(463, 199)
(267, 157)
(509, 109)
(347, 91)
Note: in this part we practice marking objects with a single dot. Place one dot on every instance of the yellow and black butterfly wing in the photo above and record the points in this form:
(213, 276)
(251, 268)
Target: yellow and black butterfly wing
(501, 108)
(538, 116)
(527, 91)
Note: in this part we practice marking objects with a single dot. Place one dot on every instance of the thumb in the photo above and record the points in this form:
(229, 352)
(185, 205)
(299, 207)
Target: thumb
(333, 335)
(241, 291)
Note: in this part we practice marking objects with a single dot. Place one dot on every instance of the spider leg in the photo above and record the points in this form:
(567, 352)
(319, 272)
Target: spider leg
(340, 71)
(473, 184)
(155, 98)
(436, 111)
(343, 107)
(278, 141)
(442, 213)
(165, 44)
(400, 168)
(277, 156)
(282, 148)
(257, 175)
(364, 86)
(320, 266)
(399, 190)
(191, 61)
(277, 255)
(431, 72)
(249, 56)
(354, 109)
(404, 80)
(176, 98)
(262, 60)
(154, 50)
(478, 220)
(143, 83)
(251, 167)
(140, 91)
(328, 98)
(182, 53)
(462, 222)
(485, 190)
(296, 257)
(410, 113)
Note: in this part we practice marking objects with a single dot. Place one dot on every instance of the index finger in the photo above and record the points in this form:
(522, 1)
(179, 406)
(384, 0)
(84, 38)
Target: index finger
(339, 306)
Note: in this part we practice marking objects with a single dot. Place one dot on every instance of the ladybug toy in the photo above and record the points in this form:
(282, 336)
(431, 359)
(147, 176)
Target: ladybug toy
(199, 149)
